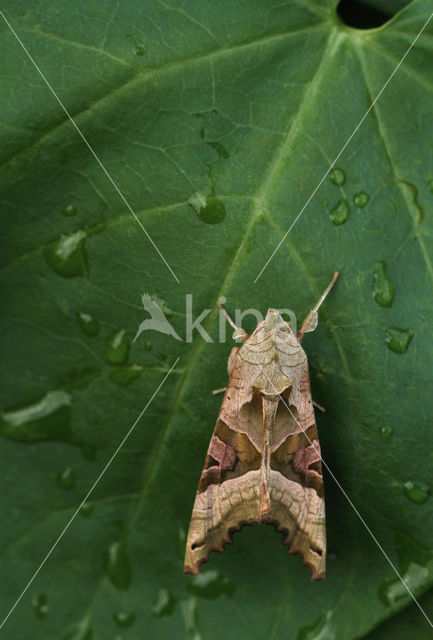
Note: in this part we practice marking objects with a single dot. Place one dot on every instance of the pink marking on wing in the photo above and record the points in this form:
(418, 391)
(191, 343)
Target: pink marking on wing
(306, 456)
(223, 453)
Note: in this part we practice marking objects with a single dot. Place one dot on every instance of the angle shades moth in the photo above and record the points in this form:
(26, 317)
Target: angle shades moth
(263, 463)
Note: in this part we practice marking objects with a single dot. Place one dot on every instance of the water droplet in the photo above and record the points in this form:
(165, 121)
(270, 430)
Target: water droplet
(383, 291)
(88, 324)
(322, 629)
(211, 585)
(361, 199)
(164, 603)
(181, 541)
(413, 193)
(124, 619)
(219, 148)
(66, 478)
(67, 255)
(189, 613)
(418, 492)
(414, 567)
(148, 346)
(119, 568)
(385, 432)
(87, 509)
(125, 375)
(40, 605)
(392, 591)
(42, 420)
(69, 210)
(340, 213)
(45, 419)
(398, 340)
(430, 185)
(81, 631)
(138, 50)
(208, 208)
(118, 348)
(338, 177)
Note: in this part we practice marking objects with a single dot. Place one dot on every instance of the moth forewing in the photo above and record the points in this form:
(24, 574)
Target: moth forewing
(263, 463)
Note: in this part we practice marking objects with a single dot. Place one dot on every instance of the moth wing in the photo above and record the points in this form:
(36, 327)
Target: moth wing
(228, 491)
(296, 483)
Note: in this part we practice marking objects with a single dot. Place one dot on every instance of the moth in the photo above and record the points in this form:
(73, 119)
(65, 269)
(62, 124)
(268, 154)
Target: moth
(264, 463)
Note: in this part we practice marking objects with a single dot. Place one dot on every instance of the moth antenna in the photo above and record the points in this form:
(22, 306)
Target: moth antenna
(239, 332)
(310, 322)
(327, 290)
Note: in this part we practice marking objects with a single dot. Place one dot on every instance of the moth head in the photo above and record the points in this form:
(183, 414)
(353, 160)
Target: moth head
(274, 323)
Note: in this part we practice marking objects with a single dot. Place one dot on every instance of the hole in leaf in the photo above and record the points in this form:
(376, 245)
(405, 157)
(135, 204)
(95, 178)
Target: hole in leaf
(363, 15)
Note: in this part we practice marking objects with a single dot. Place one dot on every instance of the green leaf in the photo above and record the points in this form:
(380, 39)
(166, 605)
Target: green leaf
(216, 121)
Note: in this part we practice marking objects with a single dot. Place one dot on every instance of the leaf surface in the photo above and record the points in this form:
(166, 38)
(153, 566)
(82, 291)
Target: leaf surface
(216, 121)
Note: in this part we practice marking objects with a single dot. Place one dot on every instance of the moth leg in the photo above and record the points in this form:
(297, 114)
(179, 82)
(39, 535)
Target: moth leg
(216, 391)
(238, 331)
(310, 322)
(317, 405)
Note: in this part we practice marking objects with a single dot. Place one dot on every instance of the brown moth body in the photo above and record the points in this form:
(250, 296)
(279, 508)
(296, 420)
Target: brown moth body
(263, 463)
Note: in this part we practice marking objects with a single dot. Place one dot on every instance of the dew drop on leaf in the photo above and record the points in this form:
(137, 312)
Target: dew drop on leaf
(138, 50)
(383, 291)
(340, 213)
(211, 585)
(88, 324)
(119, 568)
(189, 613)
(414, 564)
(117, 350)
(385, 432)
(337, 177)
(69, 210)
(123, 618)
(125, 375)
(220, 149)
(392, 591)
(412, 193)
(361, 199)
(87, 509)
(66, 478)
(208, 208)
(40, 605)
(322, 628)
(67, 256)
(398, 340)
(181, 541)
(164, 603)
(45, 419)
(81, 631)
(418, 492)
